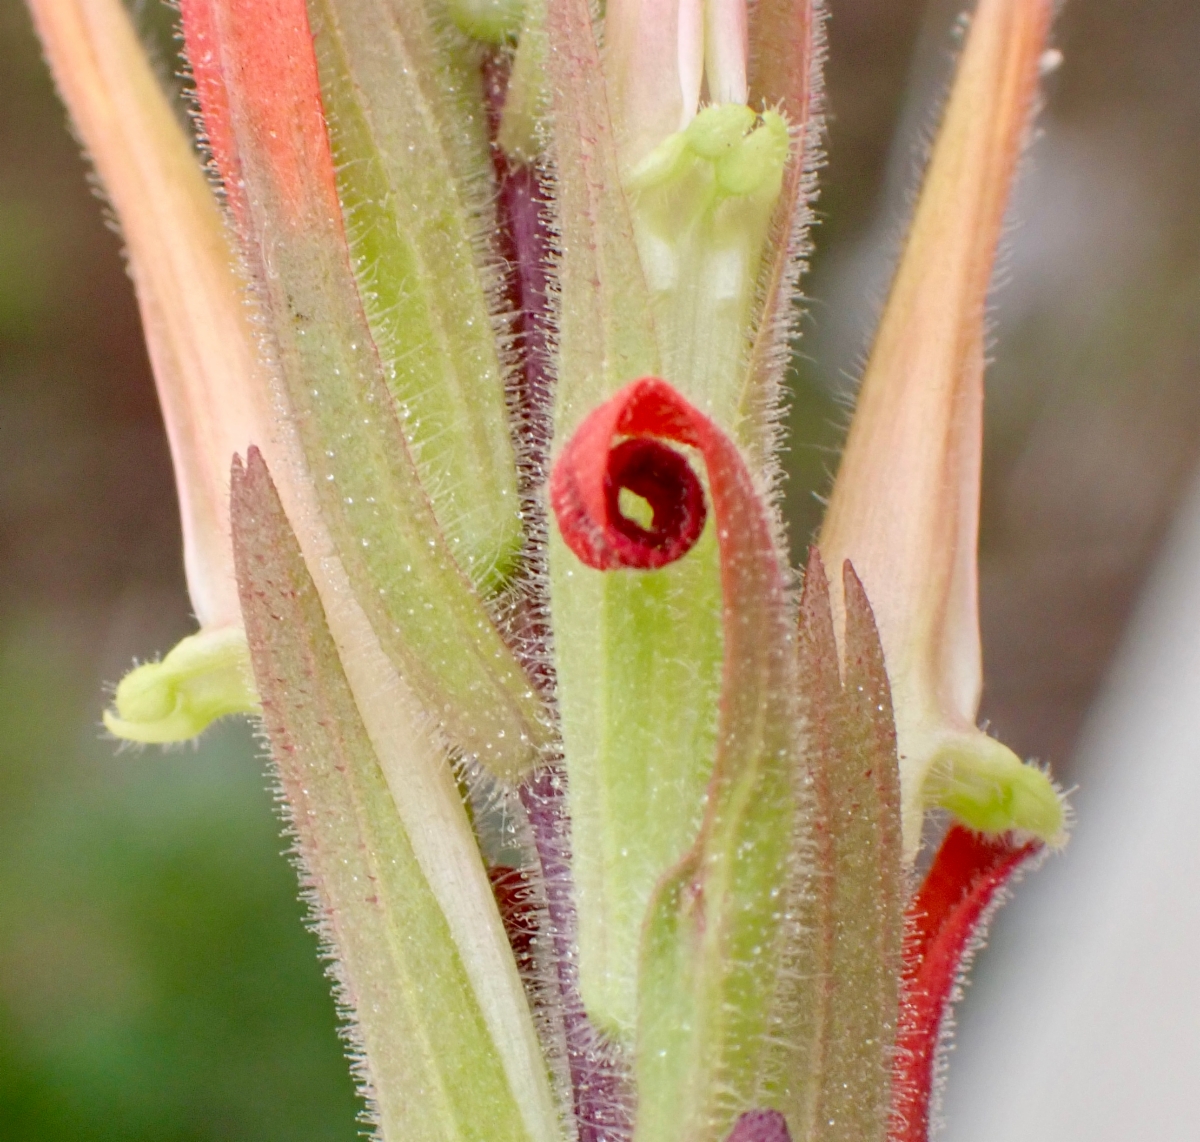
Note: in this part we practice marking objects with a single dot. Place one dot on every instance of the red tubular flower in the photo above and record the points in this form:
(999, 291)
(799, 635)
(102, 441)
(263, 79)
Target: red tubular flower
(945, 919)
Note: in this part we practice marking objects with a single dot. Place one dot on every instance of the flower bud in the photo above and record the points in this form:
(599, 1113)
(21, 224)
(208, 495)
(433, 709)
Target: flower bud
(905, 507)
(200, 345)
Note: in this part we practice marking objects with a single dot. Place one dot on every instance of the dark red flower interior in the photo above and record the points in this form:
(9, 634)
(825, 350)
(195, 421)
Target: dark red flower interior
(664, 479)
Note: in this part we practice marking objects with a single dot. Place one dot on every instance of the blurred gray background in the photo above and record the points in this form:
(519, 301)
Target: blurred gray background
(155, 980)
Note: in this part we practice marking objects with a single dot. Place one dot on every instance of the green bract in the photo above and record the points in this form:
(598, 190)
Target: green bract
(404, 567)
(407, 127)
(421, 1026)
(639, 725)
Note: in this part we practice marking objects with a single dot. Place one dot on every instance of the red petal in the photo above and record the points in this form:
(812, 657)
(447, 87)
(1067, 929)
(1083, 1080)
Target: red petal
(953, 905)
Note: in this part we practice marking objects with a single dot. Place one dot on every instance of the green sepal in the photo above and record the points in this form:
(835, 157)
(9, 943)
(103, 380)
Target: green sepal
(638, 724)
(714, 947)
(205, 677)
(639, 686)
(405, 113)
(426, 1059)
(719, 1029)
(429, 621)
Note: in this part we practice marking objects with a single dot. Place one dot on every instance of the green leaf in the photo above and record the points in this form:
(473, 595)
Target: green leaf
(256, 77)
(405, 109)
(859, 894)
(638, 656)
(426, 1057)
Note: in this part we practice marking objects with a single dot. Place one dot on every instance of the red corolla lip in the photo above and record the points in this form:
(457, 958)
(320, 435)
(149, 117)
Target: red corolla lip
(945, 921)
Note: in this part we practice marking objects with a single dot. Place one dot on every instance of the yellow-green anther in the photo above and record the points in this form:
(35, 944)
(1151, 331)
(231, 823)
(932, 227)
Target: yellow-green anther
(414, 182)
(492, 21)
(207, 676)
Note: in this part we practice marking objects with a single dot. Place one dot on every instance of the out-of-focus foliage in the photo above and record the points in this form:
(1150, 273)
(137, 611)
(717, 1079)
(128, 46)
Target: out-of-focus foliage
(155, 980)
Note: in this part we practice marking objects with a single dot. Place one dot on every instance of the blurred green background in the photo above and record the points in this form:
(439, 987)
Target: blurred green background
(156, 980)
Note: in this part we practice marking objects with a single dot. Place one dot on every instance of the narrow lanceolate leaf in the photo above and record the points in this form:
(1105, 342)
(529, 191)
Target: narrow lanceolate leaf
(256, 78)
(718, 932)
(428, 1063)
(946, 920)
(786, 54)
(905, 507)
(858, 900)
(638, 658)
(406, 125)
